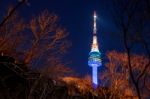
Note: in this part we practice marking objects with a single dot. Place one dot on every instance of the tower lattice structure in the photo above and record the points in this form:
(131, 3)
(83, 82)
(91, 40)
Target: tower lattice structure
(94, 60)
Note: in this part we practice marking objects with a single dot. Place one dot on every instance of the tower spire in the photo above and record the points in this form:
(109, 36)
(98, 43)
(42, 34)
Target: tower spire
(94, 55)
(94, 23)
(94, 43)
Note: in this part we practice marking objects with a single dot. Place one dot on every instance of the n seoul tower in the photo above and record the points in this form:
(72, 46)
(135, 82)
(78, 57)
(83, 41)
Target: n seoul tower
(94, 60)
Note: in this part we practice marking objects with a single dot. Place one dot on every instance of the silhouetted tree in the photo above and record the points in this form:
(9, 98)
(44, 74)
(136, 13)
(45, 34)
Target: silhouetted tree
(39, 43)
(131, 17)
(11, 12)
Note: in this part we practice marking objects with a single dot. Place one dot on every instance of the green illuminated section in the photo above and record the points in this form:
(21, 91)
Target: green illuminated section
(94, 59)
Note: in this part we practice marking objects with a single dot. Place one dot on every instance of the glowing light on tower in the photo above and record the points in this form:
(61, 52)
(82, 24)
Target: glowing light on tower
(94, 60)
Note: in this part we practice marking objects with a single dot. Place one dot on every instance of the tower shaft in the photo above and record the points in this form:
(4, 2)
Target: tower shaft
(94, 73)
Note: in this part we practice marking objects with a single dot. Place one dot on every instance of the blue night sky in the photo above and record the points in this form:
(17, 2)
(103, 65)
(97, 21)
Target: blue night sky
(76, 17)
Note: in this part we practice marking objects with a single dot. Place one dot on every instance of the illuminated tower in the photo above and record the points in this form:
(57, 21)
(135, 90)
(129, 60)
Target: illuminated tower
(94, 60)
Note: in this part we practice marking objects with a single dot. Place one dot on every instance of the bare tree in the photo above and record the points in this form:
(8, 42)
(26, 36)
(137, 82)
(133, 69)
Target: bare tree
(11, 34)
(39, 43)
(131, 18)
(118, 76)
(48, 43)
